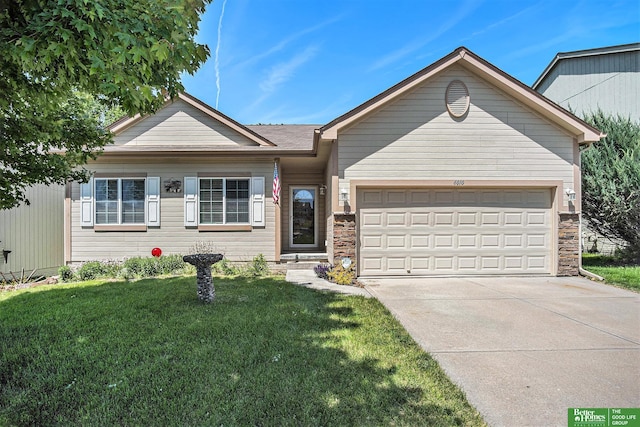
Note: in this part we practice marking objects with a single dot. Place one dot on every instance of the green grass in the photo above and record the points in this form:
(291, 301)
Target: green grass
(613, 270)
(266, 353)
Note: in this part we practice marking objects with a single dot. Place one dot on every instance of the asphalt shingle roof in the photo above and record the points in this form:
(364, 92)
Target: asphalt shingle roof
(287, 137)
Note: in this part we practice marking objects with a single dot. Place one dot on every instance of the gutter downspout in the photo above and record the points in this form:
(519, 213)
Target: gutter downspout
(581, 270)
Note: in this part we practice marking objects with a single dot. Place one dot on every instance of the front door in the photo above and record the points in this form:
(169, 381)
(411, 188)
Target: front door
(303, 225)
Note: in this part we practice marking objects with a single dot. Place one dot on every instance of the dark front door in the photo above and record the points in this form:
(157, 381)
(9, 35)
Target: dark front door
(303, 225)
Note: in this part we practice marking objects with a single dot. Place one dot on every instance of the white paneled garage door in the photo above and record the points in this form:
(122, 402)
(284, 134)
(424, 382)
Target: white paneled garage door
(454, 231)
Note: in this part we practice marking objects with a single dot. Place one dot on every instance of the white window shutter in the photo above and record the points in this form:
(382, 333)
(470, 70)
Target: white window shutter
(86, 204)
(191, 201)
(257, 201)
(153, 201)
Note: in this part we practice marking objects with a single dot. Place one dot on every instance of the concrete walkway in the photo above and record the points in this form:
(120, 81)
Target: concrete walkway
(524, 350)
(308, 278)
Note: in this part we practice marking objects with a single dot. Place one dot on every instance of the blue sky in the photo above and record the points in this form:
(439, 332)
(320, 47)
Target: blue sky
(309, 61)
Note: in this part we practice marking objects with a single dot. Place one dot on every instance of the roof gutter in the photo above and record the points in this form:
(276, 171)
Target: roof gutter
(201, 153)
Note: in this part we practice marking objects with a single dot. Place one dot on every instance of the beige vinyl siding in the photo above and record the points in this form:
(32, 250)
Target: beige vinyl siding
(289, 180)
(416, 138)
(610, 82)
(34, 233)
(172, 236)
(180, 123)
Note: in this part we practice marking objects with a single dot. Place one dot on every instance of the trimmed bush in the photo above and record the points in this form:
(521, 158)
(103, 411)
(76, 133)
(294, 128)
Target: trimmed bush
(133, 265)
(66, 273)
(172, 264)
(92, 270)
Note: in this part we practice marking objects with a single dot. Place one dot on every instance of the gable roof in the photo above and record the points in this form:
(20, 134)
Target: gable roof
(561, 56)
(583, 132)
(126, 122)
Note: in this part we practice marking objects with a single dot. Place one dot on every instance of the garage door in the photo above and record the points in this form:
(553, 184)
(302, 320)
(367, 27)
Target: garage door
(454, 231)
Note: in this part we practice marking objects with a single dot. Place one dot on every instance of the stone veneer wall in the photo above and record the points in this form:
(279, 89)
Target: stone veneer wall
(344, 237)
(329, 237)
(569, 244)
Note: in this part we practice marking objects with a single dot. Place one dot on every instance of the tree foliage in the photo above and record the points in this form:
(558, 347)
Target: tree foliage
(127, 53)
(611, 180)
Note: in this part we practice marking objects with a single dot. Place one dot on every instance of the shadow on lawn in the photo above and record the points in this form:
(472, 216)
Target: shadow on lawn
(265, 353)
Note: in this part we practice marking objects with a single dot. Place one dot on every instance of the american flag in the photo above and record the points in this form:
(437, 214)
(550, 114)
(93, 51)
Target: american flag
(276, 184)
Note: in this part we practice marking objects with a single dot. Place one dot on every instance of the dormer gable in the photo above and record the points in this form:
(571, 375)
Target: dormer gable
(185, 122)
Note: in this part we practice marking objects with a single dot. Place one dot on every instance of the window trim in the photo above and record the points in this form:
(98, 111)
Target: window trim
(124, 227)
(121, 226)
(225, 226)
(257, 205)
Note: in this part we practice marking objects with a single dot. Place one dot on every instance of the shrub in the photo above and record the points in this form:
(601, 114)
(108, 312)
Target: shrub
(611, 181)
(342, 276)
(258, 266)
(133, 265)
(66, 273)
(322, 270)
(111, 268)
(124, 274)
(171, 264)
(91, 270)
(150, 267)
(225, 268)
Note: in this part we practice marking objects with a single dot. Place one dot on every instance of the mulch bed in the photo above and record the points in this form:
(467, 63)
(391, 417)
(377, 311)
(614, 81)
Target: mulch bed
(14, 286)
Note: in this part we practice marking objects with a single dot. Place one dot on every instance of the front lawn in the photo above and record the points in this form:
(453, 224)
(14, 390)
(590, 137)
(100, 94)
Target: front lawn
(613, 271)
(265, 353)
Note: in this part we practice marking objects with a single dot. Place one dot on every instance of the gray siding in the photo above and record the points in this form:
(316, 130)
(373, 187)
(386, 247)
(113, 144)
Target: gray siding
(34, 234)
(416, 138)
(610, 82)
(172, 236)
(180, 123)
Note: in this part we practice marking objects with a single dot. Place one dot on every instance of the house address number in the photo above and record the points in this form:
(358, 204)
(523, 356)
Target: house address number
(458, 182)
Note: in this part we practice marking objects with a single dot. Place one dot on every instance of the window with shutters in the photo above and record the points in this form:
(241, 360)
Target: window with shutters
(120, 201)
(224, 200)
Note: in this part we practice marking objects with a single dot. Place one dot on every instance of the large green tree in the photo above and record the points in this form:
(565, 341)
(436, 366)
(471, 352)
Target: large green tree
(611, 180)
(127, 53)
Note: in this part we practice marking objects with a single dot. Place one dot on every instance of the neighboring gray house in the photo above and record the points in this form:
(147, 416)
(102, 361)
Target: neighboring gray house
(606, 78)
(459, 169)
(31, 237)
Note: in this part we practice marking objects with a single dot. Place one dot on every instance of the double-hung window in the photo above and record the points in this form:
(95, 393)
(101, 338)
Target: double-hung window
(216, 203)
(224, 201)
(119, 201)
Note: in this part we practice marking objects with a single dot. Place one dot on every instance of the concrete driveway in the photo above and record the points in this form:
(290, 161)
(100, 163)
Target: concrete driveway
(524, 350)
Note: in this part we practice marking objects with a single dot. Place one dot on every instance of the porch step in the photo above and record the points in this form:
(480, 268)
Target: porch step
(303, 261)
(304, 257)
(301, 265)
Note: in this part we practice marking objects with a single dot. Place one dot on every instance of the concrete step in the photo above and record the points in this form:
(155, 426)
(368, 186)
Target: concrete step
(304, 257)
(303, 260)
(301, 265)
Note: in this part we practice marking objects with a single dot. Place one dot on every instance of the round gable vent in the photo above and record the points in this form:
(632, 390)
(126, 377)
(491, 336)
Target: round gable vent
(457, 98)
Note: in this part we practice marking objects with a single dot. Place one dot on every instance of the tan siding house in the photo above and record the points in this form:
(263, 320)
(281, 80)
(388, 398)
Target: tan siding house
(457, 170)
